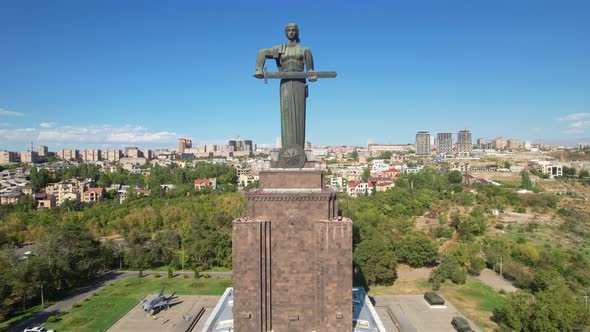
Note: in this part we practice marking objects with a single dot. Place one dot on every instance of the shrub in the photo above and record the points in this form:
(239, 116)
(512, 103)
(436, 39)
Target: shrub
(77, 305)
(87, 299)
(499, 226)
(156, 275)
(170, 273)
(140, 274)
(63, 312)
(185, 276)
(52, 319)
(206, 275)
(196, 273)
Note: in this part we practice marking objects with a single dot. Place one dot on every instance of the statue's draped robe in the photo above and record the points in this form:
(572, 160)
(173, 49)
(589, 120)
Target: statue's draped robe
(293, 91)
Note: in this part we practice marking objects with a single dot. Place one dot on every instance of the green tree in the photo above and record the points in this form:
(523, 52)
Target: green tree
(417, 250)
(526, 182)
(455, 177)
(39, 179)
(449, 268)
(366, 175)
(376, 261)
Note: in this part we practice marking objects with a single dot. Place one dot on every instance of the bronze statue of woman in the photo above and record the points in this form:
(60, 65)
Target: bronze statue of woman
(290, 57)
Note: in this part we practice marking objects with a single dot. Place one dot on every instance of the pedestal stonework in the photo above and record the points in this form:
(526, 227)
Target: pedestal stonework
(292, 257)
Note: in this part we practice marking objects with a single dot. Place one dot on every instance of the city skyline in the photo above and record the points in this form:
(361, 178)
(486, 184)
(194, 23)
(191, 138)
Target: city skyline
(106, 75)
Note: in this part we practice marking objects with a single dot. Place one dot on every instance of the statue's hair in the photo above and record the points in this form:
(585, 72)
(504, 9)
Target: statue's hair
(296, 27)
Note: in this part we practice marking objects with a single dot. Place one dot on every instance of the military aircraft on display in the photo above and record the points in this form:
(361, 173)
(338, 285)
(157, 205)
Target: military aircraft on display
(158, 303)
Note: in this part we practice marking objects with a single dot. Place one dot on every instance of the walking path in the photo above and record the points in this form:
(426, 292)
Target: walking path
(494, 280)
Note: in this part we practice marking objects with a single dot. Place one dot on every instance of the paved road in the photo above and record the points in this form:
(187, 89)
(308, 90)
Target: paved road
(84, 292)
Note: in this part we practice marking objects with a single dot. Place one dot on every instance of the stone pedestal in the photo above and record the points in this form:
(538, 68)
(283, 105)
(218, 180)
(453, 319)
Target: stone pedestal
(292, 257)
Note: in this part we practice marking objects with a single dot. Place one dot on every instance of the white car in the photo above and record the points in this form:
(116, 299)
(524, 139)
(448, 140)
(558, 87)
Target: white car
(37, 329)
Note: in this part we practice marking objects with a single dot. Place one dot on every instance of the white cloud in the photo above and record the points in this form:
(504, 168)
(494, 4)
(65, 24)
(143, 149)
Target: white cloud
(576, 123)
(4, 112)
(47, 124)
(575, 116)
(83, 136)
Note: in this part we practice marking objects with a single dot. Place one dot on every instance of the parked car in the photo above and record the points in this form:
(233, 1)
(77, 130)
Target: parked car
(461, 324)
(433, 298)
(37, 329)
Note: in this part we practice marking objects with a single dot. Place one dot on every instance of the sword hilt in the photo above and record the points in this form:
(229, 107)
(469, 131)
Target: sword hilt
(264, 74)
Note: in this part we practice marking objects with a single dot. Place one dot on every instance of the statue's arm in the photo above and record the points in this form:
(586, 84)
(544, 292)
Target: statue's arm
(309, 64)
(263, 54)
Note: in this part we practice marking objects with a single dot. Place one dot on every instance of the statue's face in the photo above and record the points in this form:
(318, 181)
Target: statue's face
(292, 32)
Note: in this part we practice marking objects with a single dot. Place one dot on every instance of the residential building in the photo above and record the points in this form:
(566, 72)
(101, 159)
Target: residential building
(10, 198)
(464, 143)
(526, 145)
(92, 195)
(183, 144)
(512, 144)
(28, 157)
(7, 157)
(549, 168)
(66, 190)
(423, 147)
(444, 144)
(91, 155)
(44, 200)
(68, 154)
(354, 189)
(147, 154)
(499, 143)
(42, 151)
(201, 184)
(132, 152)
(113, 156)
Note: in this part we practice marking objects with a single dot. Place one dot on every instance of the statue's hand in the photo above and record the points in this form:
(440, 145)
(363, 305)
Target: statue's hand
(258, 74)
(312, 78)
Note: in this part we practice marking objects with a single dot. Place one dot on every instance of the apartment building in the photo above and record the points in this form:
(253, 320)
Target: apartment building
(89, 155)
(42, 151)
(7, 157)
(444, 144)
(28, 157)
(464, 142)
(113, 156)
(66, 190)
(423, 147)
(68, 154)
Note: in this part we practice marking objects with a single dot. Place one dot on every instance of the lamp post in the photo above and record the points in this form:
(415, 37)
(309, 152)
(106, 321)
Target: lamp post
(120, 258)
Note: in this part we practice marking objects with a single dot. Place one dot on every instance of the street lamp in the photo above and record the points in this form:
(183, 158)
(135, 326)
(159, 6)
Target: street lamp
(120, 257)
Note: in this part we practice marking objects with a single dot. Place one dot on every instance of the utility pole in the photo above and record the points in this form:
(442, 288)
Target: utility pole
(43, 303)
(586, 299)
(501, 265)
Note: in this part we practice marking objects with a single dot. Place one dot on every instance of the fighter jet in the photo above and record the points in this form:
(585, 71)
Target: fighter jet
(158, 303)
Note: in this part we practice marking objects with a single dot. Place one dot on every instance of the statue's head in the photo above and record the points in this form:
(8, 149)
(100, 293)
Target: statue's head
(292, 32)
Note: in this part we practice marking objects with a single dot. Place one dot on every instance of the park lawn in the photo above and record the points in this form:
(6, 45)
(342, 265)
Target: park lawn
(474, 299)
(104, 308)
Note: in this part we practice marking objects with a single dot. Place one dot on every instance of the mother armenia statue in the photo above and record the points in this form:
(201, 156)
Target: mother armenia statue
(292, 61)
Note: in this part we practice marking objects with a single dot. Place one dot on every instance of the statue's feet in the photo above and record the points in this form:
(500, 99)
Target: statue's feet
(258, 74)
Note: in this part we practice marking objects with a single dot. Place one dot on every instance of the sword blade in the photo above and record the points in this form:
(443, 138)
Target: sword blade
(299, 74)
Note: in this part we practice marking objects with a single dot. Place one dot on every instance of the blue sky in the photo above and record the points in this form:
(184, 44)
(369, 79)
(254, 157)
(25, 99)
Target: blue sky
(110, 73)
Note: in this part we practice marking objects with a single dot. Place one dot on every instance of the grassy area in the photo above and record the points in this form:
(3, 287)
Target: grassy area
(475, 299)
(100, 311)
